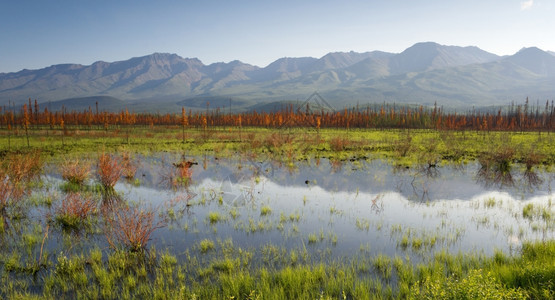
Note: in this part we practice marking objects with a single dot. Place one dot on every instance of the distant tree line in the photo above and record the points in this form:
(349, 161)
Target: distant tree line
(522, 117)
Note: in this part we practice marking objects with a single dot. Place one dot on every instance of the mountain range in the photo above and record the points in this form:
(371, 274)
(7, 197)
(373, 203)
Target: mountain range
(424, 73)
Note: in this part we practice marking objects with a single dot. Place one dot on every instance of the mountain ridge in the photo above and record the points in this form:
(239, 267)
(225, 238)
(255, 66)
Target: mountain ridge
(422, 73)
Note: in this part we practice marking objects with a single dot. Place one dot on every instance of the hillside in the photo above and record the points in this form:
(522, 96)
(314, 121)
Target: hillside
(422, 74)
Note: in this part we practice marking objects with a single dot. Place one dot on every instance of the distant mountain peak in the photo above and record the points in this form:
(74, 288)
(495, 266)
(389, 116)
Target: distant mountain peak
(430, 55)
(424, 45)
(530, 50)
(533, 53)
(535, 60)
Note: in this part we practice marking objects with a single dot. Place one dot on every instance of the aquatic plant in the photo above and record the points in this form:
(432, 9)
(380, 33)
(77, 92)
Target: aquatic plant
(382, 264)
(75, 171)
(177, 175)
(130, 227)
(74, 210)
(490, 202)
(265, 210)
(214, 217)
(22, 167)
(206, 245)
(109, 170)
(129, 166)
(312, 238)
(498, 159)
(496, 166)
(528, 211)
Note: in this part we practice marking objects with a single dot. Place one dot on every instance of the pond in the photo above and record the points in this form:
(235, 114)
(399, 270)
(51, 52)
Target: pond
(328, 210)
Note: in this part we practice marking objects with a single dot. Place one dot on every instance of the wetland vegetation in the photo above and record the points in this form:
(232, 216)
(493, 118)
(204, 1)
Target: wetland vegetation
(239, 212)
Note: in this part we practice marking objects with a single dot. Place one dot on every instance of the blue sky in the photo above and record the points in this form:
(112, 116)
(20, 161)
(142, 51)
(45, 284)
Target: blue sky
(40, 33)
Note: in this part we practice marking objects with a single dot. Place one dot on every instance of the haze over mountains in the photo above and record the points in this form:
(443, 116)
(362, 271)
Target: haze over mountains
(425, 73)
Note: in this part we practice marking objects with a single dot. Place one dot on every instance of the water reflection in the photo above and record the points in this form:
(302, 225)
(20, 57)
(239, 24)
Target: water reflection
(331, 206)
(110, 199)
(421, 183)
(177, 175)
(377, 204)
(495, 178)
(531, 179)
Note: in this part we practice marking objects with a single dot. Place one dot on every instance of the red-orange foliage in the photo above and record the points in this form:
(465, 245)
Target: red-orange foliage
(109, 170)
(184, 169)
(129, 166)
(179, 175)
(23, 167)
(75, 170)
(74, 209)
(513, 117)
(130, 227)
(338, 143)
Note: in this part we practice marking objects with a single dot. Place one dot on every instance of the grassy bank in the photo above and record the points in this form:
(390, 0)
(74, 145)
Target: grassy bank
(406, 147)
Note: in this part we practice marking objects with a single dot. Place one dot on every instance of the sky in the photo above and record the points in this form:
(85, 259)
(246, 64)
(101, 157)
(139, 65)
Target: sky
(38, 33)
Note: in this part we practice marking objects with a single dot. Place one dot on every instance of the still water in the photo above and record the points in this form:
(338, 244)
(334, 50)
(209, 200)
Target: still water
(334, 210)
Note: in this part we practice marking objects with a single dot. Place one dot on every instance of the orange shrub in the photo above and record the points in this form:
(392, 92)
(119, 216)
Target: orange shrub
(129, 166)
(23, 167)
(130, 228)
(75, 170)
(74, 210)
(109, 170)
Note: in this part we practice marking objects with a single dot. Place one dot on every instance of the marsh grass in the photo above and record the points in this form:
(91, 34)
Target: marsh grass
(206, 245)
(230, 274)
(265, 210)
(404, 146)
